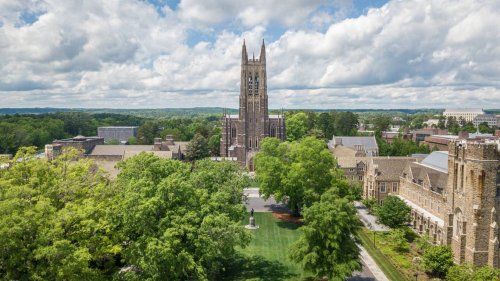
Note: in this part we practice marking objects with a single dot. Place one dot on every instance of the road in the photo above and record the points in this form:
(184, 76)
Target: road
(260, 205)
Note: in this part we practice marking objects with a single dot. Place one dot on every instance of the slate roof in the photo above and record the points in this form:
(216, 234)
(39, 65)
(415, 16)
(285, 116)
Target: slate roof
(437, 160)
(369, 143)
(391, 168)
(108, 150)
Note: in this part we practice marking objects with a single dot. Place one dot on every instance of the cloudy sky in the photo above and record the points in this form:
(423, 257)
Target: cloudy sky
(320, 54)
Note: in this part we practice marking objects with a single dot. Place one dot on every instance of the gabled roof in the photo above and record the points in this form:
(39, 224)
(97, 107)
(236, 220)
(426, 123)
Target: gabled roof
(437, 160)
(391, 168)
(369, 144)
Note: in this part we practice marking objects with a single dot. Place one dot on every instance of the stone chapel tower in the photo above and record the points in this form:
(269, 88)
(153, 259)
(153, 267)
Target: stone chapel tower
(241, 134)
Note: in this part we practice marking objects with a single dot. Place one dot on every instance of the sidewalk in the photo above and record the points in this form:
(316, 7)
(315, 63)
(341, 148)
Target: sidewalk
(372, 265)
(370, 221)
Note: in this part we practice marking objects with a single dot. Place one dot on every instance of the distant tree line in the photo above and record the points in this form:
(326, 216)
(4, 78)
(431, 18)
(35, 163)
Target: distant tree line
(37, 130)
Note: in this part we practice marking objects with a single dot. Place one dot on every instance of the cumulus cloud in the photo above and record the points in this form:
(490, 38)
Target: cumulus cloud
(128, 54)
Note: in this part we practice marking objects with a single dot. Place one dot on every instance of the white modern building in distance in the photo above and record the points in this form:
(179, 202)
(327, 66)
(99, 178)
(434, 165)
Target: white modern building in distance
(468, 114)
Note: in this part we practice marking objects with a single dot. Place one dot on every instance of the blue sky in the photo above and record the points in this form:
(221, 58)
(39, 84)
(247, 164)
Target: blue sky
(321, 54)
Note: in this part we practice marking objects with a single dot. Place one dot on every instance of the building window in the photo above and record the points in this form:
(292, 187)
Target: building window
(351, 170)
(233, 132)
(256, 142)
(250, 142)
(360, 178)
(394, 187)
(382, 187)
(273, 131)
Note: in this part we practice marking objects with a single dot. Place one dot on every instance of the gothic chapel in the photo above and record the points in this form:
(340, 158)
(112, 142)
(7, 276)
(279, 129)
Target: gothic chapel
(241, 134)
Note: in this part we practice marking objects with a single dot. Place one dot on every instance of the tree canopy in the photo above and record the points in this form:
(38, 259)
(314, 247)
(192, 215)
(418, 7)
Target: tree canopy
(393, 212)
(160, 219)
(197, 148)
(327, 245)
(295, 172)
(177, 221)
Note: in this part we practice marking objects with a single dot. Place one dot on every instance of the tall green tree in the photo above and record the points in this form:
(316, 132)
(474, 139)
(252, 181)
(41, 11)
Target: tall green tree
(296, 172)
(197, 148)
(327, 245)
(179, 221)
(296, 126)
(55, 220)
(393, 212)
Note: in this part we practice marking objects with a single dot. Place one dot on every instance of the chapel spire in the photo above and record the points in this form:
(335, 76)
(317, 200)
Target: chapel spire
(263, 52)
(244, 55)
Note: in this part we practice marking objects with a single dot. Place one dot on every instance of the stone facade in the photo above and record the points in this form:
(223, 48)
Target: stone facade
(421, 187)
(455, 199)
(242, 134)
(381, 176)
(473, 198)
(79, 142)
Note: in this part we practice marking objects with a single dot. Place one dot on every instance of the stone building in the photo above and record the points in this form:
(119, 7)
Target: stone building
(492, 120)
(353, 146)
(473, 198)
(353, 168)
(455, 196)
(242, 134)
(422, 188)
(381, 176)
(79, 142)
(467, 114)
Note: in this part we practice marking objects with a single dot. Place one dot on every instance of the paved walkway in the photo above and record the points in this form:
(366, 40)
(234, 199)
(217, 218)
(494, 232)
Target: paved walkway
(370, 221)
(372, 265)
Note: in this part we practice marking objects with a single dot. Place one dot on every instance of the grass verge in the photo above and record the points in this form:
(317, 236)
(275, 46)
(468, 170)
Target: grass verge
(385, 265)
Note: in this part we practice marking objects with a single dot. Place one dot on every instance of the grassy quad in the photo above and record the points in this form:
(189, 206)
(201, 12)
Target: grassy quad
(266, 258)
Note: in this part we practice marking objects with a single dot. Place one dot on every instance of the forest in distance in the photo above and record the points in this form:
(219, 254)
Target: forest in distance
(40, 126)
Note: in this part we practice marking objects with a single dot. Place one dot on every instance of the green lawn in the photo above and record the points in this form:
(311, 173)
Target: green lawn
(266, 258)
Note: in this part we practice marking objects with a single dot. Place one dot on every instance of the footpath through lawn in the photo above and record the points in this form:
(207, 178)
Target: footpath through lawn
(266, 258)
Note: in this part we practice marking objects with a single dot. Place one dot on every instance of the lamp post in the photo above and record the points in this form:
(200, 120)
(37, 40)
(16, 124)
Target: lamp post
(416, 263)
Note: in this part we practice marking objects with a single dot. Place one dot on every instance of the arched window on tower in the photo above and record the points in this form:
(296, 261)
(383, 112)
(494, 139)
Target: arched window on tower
(273, 131)
(233, 132)
(250, 143)
(256, 142)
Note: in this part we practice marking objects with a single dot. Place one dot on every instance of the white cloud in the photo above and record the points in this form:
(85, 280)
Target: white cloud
(124, 54)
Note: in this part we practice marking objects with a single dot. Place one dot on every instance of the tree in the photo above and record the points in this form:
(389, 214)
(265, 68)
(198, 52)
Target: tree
(296, 126)
(179, 221)
(423, 242)
(467, 272)
(197, 148)
(113, 141)
(381, 123)
(147, 132)
(295, 172)
(437, 260)
(484, 128)
(346, 123)
(214, 142)
(394, 212)
(397, 239)
(327, 245)
(55, 219)
(132, 140)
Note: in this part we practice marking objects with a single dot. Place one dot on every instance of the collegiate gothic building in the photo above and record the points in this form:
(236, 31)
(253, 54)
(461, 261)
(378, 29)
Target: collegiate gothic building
(242, 133)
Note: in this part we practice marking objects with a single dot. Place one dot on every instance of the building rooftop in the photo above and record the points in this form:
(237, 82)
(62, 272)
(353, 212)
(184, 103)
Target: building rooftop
(108, 150)
(390, 168)
(464, 110)
(367, 144)
(118, 127)
(437, 160)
